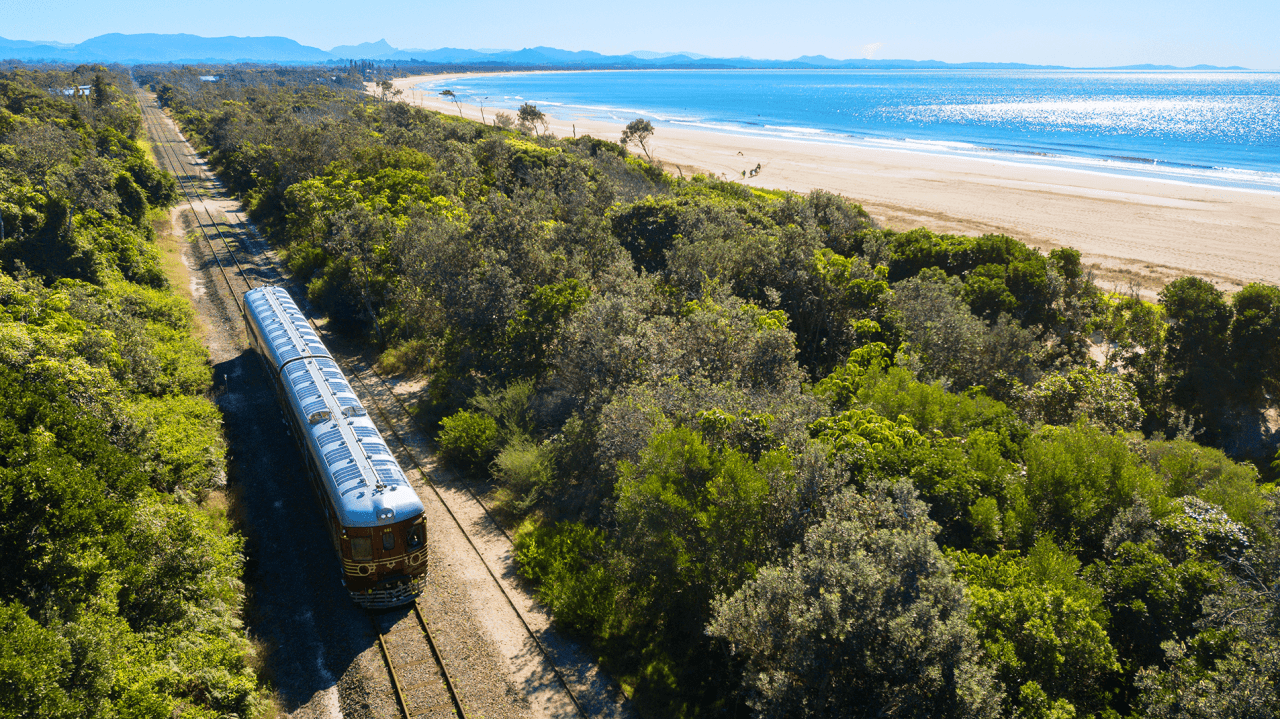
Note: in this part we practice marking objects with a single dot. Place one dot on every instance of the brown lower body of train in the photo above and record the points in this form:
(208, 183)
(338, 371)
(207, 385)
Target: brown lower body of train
(390, 575)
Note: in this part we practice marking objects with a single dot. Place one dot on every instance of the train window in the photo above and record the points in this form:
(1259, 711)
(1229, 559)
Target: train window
(415, 537)
(362, 549)
(388, 540)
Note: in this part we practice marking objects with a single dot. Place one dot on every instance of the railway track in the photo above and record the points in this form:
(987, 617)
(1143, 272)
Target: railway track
(417, 696)
(407, 680)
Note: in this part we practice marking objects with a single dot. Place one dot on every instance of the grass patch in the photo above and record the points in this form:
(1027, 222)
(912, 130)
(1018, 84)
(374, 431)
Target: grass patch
(175, 269)
(408, 359)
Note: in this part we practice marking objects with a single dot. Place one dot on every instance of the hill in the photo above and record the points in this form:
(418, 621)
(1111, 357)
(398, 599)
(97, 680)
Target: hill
(177, 48)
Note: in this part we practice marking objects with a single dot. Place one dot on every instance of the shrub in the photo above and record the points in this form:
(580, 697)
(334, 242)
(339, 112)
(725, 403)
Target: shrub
(509, 409)
(930, 407)
(1078, 479)
(1100, 398)
(525, 471)
(1040, 623)
(565, 560)
(949, 342)
(33, 663)
(468, 438)
(864, 620)
(1208, 473)
(305, 259)
(407, 357)
(694, 516)
(184, 441)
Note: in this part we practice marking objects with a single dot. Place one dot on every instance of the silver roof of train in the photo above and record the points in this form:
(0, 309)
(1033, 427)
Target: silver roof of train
(285, 329)
(363, 479)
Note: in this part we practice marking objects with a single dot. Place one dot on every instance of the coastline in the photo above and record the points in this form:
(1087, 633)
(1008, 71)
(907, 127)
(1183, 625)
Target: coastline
(1135, 233)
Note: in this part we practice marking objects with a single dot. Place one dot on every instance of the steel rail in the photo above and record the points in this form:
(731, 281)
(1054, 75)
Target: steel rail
(172, 160)
(166, 145)
(426, 476)
(405, 408)
(397, 686)
(212, 221)
(444, 670)
(492, 519)
(391, 667)
(193, 198)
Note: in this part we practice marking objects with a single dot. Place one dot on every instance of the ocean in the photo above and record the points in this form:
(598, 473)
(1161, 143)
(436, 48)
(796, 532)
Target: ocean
(1205, 128)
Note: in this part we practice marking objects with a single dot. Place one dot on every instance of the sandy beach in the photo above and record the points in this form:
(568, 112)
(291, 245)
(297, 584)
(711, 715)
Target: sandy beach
(1134, 233)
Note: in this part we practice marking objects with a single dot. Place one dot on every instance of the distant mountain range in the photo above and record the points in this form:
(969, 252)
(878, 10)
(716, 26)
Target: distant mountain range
(149, 47)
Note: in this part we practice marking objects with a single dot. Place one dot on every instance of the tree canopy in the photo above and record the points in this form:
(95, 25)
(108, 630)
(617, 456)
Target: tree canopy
(638, 131)
(121, 593)
(770, 458)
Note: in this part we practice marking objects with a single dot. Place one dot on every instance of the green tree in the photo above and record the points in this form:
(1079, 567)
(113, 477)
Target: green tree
(1255, 340)
(690, 518)
(864, 620)
(949, 342)
(1078, 479)
(452, 97)
(34, 664)
(1152, 600)
(1232, 667)
(1197, 340)
(1040, 623)
(531, 333)
(100, 94)
(1088, 394)
(529, 117)
(638, 131)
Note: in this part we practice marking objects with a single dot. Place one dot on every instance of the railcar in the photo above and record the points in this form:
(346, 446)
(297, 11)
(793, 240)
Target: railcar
(373, 514)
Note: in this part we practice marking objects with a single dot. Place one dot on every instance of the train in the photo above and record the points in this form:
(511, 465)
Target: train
(372, 513)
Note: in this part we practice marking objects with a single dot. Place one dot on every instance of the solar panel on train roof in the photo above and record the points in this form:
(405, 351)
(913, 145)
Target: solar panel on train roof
(366, 491)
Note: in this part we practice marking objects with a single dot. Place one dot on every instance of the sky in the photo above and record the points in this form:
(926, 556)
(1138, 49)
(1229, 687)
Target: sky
(1080, 33)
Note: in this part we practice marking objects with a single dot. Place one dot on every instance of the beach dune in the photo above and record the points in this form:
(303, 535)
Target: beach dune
(1134, 233)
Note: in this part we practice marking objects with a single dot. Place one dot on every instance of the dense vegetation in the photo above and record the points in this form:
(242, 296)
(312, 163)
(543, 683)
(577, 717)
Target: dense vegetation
(764, 453)
(121, 588)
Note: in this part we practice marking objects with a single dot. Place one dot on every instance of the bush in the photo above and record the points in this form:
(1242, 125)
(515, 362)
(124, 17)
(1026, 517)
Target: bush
(1208, 473)
(949, 342)
(304, 260)
(1100, 398)
(183, 361)
(1078, 479)
(525, 471)
(509, 409)
(565, 560)
(864, 620)
(1040, 623)
(930, 407)
(407, 357)
(1152, 600)
(131, 599)
(468, 438)
(33, 662)
(184, 441)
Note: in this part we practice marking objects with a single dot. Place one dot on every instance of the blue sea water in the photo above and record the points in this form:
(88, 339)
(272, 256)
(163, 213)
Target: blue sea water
(1213, 128)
